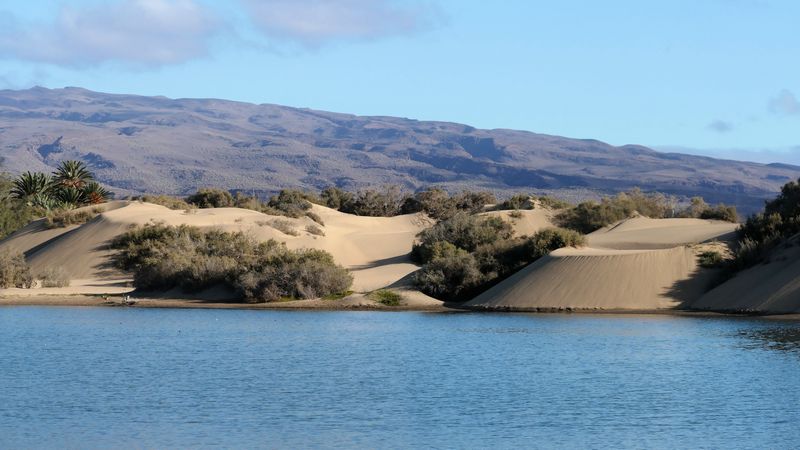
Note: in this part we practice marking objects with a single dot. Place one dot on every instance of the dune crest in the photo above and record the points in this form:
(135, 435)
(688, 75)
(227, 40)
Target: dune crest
(374, 248)
(635, 264)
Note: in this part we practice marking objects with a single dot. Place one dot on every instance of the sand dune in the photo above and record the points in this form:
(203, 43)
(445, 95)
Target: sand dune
(646, 233)
(531, 220)
(597, 279)
(638, 263)
(772, 288)
(374, 248)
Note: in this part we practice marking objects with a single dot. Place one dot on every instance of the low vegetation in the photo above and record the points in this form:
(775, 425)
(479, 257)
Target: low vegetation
(14, 271)
(65, 218)
(315, 230)
(464, 255)
(285, 227)
(54, 277)
(164, 257)
(165, 200)
(762, 232)
(386, 297)
(710, 259)
(590, 216)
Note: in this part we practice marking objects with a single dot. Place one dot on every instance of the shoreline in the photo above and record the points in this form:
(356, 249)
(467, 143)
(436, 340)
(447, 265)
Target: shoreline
(331, 305)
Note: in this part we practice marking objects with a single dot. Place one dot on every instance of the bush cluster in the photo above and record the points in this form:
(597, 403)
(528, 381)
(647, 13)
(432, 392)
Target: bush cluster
(54, 277)
(761, 232)
(14, 271)
(465, 255)
(464, 231)
(65, 218)
(386, 297)
(164, 257)
(165, 200)
(590, 216)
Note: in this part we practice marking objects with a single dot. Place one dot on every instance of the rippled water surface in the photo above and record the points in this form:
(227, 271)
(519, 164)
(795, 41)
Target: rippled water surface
(147, 378)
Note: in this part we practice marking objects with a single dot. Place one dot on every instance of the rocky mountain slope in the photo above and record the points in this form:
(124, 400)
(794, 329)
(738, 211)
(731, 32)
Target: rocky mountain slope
(158, 145)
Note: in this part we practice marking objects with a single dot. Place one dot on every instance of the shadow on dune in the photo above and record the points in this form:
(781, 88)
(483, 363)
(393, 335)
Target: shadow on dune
(401, 259)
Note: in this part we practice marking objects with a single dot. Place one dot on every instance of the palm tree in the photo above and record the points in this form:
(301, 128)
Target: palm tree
(95, 194)
(69, 198)
(72, 174)
(30, 184)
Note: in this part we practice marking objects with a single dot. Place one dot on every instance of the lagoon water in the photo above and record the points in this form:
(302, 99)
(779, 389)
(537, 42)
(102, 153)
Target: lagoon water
(163, 378)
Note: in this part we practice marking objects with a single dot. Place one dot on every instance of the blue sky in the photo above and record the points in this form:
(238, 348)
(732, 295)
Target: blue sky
(717, 77)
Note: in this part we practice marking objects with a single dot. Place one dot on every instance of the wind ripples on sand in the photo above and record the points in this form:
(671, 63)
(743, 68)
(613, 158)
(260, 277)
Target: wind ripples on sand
(95, 377)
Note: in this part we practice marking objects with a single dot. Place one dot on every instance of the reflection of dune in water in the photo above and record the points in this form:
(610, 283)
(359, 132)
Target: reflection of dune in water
(785, 338)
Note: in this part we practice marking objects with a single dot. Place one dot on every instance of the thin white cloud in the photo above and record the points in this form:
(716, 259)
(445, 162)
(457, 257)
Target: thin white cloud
(138, 32)
(785, 103)
(316, 22)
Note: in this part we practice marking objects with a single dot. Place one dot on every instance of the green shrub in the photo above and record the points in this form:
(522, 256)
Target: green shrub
(549, 239)
(590, 216)
(721, 212)
(518, 201)
(164, 257)
(336, 198)
(762, 232)
(435, 202)
(453, 276)
(474, 202)
(291, 202)
(211, 198)
(54, 277)
(710, 259)
(14, 271)
(515, 214)
(165, 200)
(376, 203)
(386, 297)
(552, 203)
(463, 231)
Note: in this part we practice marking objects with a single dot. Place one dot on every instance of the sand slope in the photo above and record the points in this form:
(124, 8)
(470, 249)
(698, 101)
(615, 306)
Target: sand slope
(772, 288)
(374, 248)
(646, 233)
(638, 263)
(531, 220)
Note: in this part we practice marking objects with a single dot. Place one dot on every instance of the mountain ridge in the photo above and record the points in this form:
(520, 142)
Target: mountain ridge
(138, 144)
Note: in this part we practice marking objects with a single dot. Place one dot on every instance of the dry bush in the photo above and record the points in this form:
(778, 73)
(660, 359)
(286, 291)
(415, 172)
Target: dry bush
(14, 271)
(315, 230)
(54, 277)
(285, 227)
(65, 218)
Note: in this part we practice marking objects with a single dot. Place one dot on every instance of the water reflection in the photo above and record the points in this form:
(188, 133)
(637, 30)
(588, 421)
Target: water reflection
(782, 338)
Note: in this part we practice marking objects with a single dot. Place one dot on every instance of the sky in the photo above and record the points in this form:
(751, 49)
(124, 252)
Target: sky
(713, 77)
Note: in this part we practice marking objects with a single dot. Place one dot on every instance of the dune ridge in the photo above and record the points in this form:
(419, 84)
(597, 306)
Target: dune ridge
(635, 264)
(374, 248)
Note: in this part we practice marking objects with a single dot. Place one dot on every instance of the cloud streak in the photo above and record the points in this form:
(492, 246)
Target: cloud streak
(313, 23)
(720, 126)
(785, 103)
(137, 32)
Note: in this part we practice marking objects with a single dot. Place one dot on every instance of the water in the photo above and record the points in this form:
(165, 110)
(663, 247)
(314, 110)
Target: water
(156, 378)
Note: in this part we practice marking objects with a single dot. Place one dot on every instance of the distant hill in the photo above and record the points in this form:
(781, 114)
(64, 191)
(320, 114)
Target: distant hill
(158, 145)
